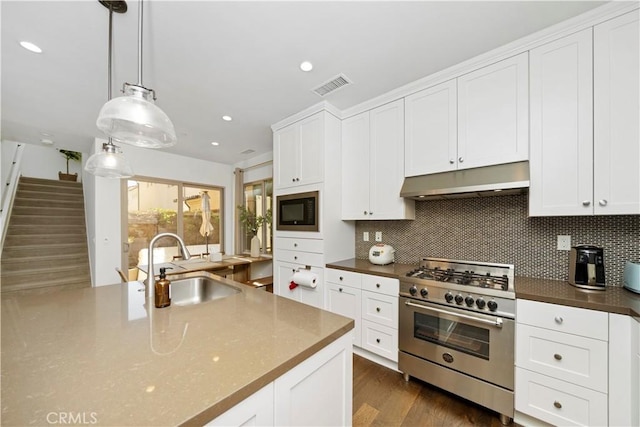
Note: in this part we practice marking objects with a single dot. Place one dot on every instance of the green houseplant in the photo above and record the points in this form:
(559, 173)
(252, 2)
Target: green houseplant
(251, 223)
(69, 155)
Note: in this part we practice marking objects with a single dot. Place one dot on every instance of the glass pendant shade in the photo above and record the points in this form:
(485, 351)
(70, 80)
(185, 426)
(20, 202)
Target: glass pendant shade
(134, 119)
(109, 163)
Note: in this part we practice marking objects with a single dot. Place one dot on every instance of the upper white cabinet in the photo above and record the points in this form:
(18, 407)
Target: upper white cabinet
(299, 152)
(616, 147)
(493, 114)
(373, 165)
(584, 122)
(431, 130)
(478, 119)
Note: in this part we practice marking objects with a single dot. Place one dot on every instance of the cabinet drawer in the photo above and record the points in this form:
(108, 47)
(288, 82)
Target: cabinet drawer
(300, 245)
(380, 308)
(304, 258)
(558, 402)
(346, 278)
(578, 360)
(572, 320)
(379, 284)
(381, 340)
(345, 301)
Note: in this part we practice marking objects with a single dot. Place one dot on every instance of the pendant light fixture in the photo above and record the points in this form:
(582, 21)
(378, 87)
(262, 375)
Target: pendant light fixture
(134, 118)
(110, 163)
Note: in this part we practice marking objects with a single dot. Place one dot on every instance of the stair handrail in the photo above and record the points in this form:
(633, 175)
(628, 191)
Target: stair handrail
(9, 192)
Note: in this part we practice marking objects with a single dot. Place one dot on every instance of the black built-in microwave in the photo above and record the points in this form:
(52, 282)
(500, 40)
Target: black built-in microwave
(298, 212)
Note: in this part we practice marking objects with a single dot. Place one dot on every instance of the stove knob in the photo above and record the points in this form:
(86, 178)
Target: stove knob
(469, 301)
(480, 303)
(459, 299)
(413, 290)
(493, 306)
(424, 292)
(448, 296)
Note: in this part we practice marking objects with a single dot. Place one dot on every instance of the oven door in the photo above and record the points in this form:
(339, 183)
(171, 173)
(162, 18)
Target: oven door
(476, 344)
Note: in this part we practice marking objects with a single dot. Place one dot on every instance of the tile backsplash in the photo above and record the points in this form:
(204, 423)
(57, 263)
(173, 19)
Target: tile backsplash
(498, 229)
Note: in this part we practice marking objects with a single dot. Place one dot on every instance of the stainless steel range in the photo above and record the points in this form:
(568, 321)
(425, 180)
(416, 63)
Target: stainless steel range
(456, 330)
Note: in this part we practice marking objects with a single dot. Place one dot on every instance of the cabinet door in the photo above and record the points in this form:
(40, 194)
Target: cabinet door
(493, 114)
(283, 272)
(286, 146)
(345, 301)
(355, 167)
(431, 130)
(386, 162)
(616, 112)
(311, 166)
(561, 158)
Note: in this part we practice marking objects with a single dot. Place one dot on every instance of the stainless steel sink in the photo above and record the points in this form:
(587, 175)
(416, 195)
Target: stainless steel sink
(198, 289)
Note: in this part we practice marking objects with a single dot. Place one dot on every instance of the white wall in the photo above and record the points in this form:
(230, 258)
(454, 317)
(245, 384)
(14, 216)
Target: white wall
(7, 150)
(103, 201)
(264, 171)
(45, 162)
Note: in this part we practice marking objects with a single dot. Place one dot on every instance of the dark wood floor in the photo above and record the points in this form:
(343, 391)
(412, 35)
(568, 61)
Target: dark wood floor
(381, 397)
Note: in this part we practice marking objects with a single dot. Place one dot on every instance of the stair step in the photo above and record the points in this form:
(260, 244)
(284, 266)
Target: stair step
(48, 261)
(48, 203)
(49, 212)
(52, 189)
(49, 284)
(40, 250)
(46, 289)
(44, 195)
(29, 240)
(46, 220)
(40, 229)
(41, 272)
(50, 182)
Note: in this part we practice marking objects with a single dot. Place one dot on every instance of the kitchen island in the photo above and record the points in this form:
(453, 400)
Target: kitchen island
(101, 356)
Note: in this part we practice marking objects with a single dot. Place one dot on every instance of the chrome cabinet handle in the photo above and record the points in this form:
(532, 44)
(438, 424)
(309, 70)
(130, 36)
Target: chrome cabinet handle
(557, 356)
(557, 404)
(559, 320)
(461, 159)
(586, 203)
(602, 202)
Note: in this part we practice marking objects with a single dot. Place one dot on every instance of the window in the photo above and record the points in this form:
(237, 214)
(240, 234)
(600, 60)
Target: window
(258, 200)
(158, 206)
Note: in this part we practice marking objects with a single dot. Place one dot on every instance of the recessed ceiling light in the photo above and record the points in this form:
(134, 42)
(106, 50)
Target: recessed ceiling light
(306, 66)
(215, 144)
(227, 118)
(30, 47)
(46, 141)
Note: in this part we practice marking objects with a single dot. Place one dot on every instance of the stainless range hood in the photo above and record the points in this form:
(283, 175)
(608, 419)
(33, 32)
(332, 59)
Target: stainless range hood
(509, 178)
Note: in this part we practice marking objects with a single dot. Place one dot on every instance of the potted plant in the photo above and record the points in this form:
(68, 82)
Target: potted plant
(251, 223)
(69, 155)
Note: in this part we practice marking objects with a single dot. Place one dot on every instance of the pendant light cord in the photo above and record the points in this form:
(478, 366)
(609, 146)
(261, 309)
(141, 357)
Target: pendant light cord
(110, 141)
(140, 43)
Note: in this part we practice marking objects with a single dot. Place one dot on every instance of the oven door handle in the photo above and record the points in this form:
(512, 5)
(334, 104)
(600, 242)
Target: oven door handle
(497, 322)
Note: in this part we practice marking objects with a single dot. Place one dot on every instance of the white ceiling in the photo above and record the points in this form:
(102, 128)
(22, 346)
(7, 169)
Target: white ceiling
(206, 59)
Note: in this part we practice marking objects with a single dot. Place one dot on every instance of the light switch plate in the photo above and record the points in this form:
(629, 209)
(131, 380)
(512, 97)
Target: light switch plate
(378, 236)
(365, 236)
(564, 243)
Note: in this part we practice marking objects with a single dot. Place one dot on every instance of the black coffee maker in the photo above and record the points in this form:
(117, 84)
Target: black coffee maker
(586, 267)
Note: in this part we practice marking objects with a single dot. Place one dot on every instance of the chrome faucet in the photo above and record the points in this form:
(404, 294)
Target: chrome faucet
(150, 288)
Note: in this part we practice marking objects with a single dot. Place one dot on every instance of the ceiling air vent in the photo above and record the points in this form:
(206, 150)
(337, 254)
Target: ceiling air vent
(332, 85)
(248, 151)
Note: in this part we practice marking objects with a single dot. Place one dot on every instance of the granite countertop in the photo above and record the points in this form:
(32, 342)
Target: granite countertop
(100, 353)
(615, 299)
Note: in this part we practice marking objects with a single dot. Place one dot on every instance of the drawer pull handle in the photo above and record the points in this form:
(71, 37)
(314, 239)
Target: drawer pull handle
(341, 278)
(378, 285)
(340, 289)
(295, 245)
(378, 340)
(559, 320)
(295, 257)
(557, 356)
(557, 404)
(378, 309)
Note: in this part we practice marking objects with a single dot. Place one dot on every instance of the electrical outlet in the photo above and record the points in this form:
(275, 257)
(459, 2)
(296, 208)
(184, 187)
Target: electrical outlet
(564, 243)
(365, 236)
(378, 236)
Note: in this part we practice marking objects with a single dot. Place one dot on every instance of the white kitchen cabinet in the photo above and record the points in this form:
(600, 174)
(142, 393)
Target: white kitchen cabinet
(616, 116)
(624, 371)
(373, 165)
(299, 152)
(562, 364)
(431, 130)
(584, 122)
(318, 391)
(282, 280)
(493, 114)
(343, 296)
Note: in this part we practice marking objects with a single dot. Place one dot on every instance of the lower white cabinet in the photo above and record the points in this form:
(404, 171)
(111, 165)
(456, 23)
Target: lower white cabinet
(310, 296)
(372, 302)
(318, 391)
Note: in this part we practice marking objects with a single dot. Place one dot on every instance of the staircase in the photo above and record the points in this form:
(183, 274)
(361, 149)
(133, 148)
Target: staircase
(46, 241)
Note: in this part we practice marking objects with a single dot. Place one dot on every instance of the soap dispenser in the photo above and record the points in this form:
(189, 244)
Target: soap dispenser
(162, 296)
